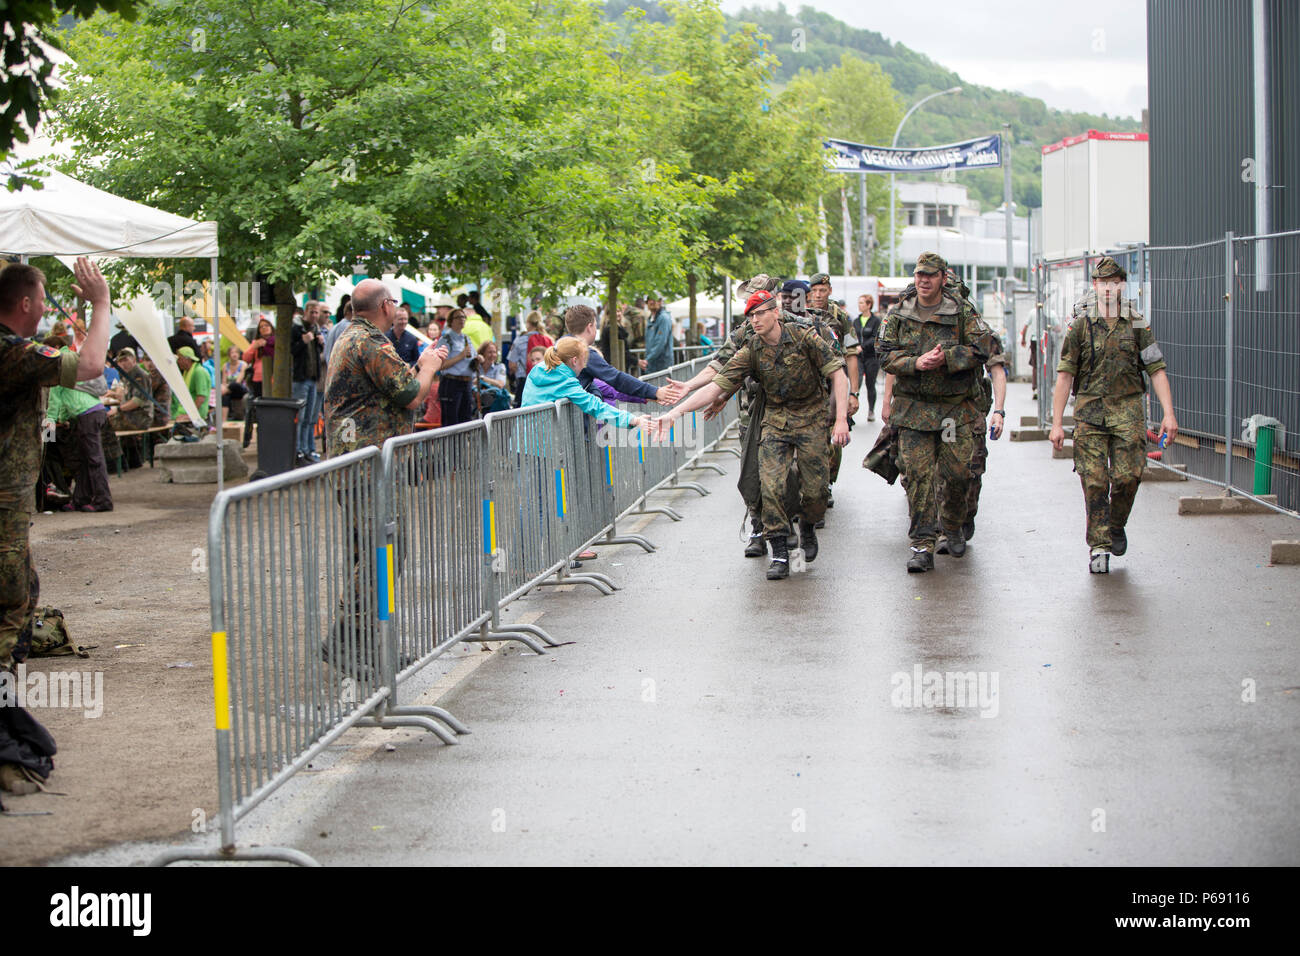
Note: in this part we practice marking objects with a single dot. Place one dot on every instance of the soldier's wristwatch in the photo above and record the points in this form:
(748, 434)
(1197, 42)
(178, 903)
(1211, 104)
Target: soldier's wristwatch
(998, 411)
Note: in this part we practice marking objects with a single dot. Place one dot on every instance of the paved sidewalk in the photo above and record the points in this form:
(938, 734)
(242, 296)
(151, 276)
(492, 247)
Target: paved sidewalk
(706, 715)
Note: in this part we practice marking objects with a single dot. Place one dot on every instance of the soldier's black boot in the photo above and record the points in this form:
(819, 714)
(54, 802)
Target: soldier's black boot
(808, 540)
(968, 529)
(757, 547)
(956, 543)
(780, 566)
(920, 561)
(1118, 541)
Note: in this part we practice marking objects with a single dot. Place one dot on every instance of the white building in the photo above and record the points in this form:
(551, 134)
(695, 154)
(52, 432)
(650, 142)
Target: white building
(1095, 193)
(941, 217)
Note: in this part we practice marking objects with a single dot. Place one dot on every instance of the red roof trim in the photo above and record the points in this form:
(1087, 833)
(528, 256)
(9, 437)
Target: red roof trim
(1094, 134)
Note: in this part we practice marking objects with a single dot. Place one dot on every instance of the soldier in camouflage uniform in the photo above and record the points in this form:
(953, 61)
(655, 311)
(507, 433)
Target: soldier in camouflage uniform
(26, 369)
(933, 345)
(821, 308)
(1107, 348)
(755, 547)
(791, 364)
(369, 394)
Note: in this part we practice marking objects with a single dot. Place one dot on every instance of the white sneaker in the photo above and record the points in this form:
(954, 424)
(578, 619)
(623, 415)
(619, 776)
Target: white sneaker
(1099, 563)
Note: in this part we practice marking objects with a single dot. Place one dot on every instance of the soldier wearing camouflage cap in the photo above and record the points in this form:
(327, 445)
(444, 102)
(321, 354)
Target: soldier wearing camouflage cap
(933, 345)
(820, 307)
(1106, 351)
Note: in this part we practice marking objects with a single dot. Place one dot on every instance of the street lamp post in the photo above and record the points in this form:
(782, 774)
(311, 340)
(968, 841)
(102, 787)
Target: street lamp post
(893, 195)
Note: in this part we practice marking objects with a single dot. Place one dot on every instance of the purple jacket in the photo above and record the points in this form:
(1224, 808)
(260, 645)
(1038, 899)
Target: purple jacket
(612, 395)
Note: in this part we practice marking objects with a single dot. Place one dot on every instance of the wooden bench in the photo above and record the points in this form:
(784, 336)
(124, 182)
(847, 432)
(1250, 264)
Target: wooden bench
(146, 434)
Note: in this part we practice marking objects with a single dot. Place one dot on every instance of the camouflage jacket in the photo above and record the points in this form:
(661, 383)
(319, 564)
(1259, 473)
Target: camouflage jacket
(925, 399)
(139, 388)
(26, 369)
(1107, 363)
(838, 320)
(792, 374)
(367, 390)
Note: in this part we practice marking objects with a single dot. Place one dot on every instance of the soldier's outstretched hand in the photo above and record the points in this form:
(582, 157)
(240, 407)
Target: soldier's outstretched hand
(716, 408)
(658, 427)
(671, 393)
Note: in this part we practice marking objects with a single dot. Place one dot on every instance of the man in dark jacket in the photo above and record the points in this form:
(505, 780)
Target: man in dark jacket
(580, 321)
(307, 347)
(183, 336)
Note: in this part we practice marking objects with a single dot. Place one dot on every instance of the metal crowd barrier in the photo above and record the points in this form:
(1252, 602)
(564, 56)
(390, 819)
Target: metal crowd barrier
(296, 654)
(333, 584)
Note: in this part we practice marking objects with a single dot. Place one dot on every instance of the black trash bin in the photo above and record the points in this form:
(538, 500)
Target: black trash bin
(277, 434)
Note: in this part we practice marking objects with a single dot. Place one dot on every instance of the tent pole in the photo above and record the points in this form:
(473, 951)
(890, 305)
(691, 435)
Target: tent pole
(220, 361)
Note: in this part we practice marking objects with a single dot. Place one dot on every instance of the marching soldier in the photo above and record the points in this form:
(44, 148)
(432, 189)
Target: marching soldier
(1106, 351)
(932, 344)
(790, 363)
(820, 307)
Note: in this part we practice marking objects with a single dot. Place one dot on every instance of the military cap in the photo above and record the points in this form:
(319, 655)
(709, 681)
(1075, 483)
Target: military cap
(1108, 268)
(819, 278)
(791, 285)
(123, 353)
(760, 282)
(930, 262)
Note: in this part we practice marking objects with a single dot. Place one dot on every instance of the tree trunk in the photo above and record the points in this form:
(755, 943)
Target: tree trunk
(282, 373)
(617, 357)
(692, 332)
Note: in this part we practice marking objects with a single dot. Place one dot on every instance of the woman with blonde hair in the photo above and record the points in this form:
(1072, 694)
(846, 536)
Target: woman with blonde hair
(556, 377)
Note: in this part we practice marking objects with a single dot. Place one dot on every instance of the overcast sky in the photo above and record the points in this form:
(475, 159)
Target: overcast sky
(1074, 56)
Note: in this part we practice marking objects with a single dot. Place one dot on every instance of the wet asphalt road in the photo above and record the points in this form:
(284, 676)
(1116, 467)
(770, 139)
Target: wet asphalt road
(706, 715)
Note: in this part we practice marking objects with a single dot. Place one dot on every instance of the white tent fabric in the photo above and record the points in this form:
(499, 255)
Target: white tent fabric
(70, 218)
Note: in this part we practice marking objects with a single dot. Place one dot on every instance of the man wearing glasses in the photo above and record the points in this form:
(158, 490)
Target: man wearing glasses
(790, 363)
(369, 390)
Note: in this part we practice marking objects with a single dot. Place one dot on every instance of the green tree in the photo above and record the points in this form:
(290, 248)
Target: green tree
(732, 129)
(26, 35)
(293, 125)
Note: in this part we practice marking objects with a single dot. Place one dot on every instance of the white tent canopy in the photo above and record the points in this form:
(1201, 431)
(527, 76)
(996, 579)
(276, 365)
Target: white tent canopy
(69, 218)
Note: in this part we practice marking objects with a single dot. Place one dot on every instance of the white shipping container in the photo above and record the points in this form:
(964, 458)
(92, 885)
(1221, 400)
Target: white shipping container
(1095, 193)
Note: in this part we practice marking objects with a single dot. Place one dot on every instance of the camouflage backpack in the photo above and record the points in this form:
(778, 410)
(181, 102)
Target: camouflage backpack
(47, 637)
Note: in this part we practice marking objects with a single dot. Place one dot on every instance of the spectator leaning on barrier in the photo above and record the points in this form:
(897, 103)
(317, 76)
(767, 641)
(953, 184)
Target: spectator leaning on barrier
(370, 391)
(557, 377)
(658, 336)
(25, 369)
(580, 321)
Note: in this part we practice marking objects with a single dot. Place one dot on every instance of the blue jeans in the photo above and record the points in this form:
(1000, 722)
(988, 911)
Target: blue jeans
(306, 391)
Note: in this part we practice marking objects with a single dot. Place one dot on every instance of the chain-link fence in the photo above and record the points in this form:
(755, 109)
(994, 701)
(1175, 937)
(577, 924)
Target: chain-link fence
(1226, 315)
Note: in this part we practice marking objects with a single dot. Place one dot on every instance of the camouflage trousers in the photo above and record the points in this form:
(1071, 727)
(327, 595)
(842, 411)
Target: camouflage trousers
(20, 588)
(1109, 460)
(806, 449)
(978, 462)
(929, 463)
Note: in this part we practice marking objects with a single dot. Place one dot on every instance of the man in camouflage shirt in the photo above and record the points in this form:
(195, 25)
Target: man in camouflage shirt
(369, 390)
(26, 370)
(755, 547)
(933, 344)
(1108, 346)
(822, 309)
(791, 364)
